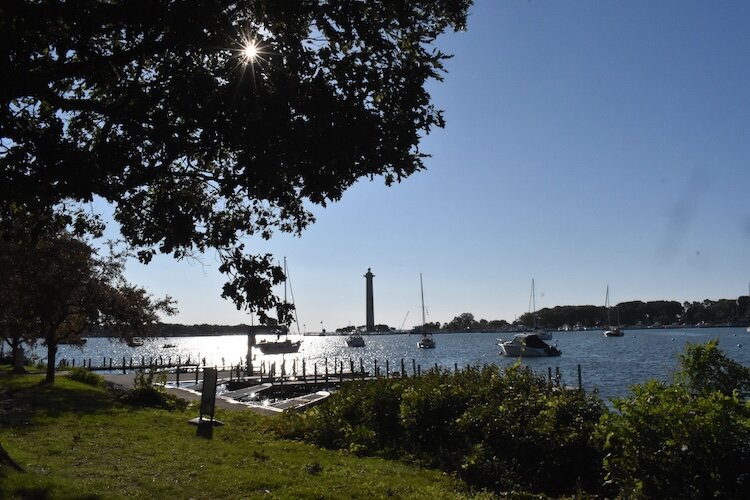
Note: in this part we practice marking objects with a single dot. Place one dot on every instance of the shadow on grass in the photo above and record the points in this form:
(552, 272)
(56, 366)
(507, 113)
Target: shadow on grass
(24, 398)
(44, 493)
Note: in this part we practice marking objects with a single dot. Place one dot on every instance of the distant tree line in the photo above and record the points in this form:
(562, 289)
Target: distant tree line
(178, 330)
(722, 312)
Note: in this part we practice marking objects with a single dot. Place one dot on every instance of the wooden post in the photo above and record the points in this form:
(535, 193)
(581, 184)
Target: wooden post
(177, 375)
(557, 376)
(436, 368)
(326, 359)
(414, 366)
(351, 367)
(304, 374)
(387, 370)
(403, 369)
(455, 367)
(197, 369)
(110, 363)
(580, 379)
(549, 374)
(375, 367)
(123, 365)
(74, 362)
(419, 370)
(315, 373)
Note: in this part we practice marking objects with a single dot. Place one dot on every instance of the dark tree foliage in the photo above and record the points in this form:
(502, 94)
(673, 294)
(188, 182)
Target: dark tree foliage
(154, 106)
(53, 286)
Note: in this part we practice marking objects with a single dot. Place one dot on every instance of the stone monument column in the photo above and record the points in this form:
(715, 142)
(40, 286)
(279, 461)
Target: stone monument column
(370, 307)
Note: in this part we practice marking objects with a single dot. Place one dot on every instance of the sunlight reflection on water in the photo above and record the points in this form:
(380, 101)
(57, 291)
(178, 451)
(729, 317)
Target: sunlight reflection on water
(611, 365)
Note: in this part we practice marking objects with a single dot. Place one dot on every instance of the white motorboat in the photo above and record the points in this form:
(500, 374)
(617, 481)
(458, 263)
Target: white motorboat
(527, 345)
(355, 340)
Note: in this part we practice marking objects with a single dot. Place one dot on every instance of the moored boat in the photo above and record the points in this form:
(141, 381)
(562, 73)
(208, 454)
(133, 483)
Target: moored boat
(612, 331)
(539, 332)
(279, 347)
(426, 342)
(355, 340)
(528, 345)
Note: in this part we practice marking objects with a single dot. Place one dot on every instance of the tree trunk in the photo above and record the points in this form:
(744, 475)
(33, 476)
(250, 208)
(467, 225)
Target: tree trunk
(51, 355)
(18, 358)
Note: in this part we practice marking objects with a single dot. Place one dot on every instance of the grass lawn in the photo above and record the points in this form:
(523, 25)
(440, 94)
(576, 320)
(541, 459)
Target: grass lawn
(78, 441)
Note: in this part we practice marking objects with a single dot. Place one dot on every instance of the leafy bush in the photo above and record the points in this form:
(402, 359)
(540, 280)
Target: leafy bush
(85, 376)
(146, 394)
(690, 439)
(499, 429)
(705, 369)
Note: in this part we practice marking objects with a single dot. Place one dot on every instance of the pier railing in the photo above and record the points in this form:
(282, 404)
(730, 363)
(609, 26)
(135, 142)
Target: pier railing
(316, 373)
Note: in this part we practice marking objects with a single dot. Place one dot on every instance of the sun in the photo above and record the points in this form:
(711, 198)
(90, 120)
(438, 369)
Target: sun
(250, 51)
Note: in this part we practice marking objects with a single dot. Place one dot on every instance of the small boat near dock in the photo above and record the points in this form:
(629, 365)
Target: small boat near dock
(355, 340)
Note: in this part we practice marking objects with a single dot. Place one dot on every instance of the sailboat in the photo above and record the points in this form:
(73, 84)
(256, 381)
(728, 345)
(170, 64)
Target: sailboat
(539, 332)
(426, 342)
(279, 346)
(612, 331)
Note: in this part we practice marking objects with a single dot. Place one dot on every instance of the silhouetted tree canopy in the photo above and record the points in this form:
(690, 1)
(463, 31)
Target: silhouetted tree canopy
(53, 287)
(155, 106)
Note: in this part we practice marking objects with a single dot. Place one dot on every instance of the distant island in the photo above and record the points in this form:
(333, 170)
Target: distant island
(633, 314)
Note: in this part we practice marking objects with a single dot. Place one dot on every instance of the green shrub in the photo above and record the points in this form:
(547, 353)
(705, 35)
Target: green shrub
(498, 429)
(705, 369)
(85, 376)
(146, 394)
(690, 439)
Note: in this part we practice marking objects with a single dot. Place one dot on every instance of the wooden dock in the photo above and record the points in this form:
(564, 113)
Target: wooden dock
(245, 384)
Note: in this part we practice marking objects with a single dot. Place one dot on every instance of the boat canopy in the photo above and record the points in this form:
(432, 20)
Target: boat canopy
(534, 341)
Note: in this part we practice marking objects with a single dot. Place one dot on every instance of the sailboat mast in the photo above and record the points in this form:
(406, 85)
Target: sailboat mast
(606, 304)
(421, 289)
(533, 303)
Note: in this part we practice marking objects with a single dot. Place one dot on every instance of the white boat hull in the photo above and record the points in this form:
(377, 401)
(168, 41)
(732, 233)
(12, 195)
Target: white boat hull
(516, 351)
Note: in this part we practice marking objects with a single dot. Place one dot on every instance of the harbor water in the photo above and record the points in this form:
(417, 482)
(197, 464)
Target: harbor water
(610, 365)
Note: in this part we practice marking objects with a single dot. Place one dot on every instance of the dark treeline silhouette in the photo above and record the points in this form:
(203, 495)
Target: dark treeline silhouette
(636, 314)
(178, 330)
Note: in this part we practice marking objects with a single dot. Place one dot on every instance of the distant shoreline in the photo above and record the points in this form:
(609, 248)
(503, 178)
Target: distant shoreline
(219, 330)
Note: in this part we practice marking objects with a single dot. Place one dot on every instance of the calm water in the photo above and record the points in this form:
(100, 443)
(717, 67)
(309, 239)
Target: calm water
(610, 365)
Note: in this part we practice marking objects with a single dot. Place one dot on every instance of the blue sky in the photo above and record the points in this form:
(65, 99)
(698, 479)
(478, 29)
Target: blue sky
(587, 143)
